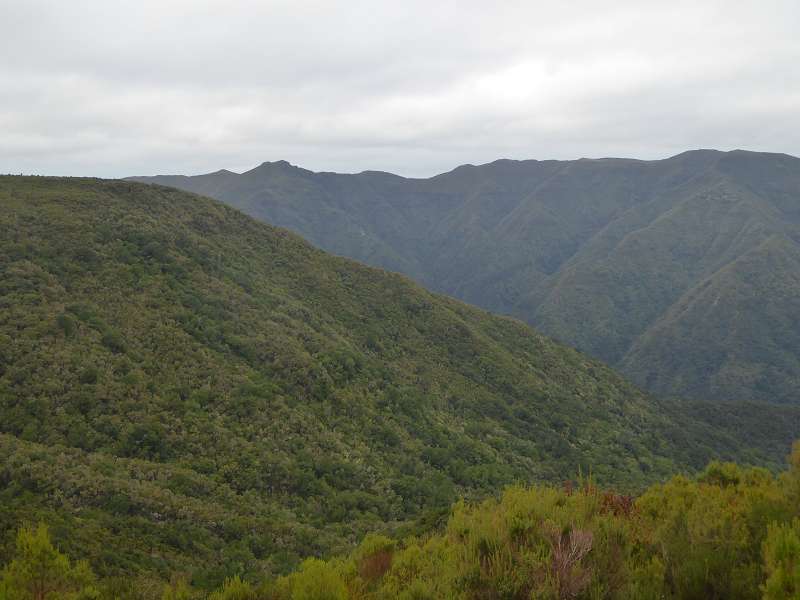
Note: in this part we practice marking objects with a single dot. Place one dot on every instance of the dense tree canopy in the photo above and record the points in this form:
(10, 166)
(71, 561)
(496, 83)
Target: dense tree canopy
(185, 390)
(646, 265)
(730, 533)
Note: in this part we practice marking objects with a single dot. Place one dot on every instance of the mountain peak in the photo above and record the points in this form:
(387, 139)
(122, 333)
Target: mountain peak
(277, 164)
(699, 152)
(276, 167)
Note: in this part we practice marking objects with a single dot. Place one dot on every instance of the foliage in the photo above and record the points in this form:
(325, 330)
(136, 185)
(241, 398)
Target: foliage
(40, 572)
(728, 533)
(235, 589)
(316, 580)
(646, 265)
(782, 561)
(178, 590)
(186, 390)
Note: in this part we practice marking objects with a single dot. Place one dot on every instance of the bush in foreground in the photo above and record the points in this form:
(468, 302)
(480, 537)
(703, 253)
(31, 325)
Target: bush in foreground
(731, 533)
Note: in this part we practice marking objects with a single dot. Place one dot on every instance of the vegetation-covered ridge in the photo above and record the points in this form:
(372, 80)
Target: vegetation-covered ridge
(646, 265)
(730, 533)
(185, 389)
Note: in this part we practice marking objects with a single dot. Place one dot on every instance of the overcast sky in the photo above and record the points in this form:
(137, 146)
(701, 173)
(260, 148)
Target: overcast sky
(114, 88)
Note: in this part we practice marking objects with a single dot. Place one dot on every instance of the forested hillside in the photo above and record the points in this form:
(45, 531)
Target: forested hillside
(185, 389)
(729, 534)
(650, 266)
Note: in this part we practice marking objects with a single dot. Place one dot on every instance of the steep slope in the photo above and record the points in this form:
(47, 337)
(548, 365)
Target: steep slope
(597, 253)
(715, 330)
(183, 388)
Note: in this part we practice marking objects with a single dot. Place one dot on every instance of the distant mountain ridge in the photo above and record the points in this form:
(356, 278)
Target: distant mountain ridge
(684, 272)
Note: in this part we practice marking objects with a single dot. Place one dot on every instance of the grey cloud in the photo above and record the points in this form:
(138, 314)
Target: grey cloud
(120, 88)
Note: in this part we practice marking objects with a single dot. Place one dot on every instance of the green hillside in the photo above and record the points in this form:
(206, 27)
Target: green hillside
(185, 389)
(729, 533)
(682, 273)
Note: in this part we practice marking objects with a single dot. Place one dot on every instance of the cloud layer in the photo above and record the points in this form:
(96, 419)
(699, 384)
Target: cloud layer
(120, 88)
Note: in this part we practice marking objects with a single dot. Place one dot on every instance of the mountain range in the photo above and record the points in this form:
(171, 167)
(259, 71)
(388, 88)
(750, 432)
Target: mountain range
(186, 389)
(682, 273)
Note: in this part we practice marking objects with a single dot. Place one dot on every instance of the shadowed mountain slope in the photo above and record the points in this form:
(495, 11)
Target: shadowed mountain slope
(651, 266)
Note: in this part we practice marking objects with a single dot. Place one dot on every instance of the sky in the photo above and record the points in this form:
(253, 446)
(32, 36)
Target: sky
(113, 88)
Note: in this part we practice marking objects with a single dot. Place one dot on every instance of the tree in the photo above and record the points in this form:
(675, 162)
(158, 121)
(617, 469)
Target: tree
(782, 562)
(318, 580)
(568, 547)
(41, 572)
(234, 589)
(177, 590)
